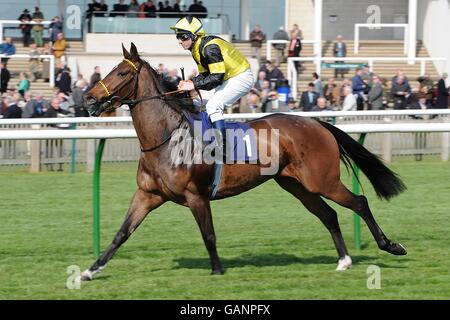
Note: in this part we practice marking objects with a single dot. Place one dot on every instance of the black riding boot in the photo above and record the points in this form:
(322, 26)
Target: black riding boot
(219, 125)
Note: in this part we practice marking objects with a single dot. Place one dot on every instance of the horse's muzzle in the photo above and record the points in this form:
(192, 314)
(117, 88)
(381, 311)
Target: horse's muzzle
(93, 107)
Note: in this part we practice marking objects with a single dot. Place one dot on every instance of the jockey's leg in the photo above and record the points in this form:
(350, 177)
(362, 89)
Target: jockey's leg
(218, 124)
(225, 95)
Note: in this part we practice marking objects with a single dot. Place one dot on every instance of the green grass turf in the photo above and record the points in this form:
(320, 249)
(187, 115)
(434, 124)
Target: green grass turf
(271, 247)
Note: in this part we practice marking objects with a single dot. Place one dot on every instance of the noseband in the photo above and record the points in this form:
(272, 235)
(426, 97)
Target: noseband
(111, 97)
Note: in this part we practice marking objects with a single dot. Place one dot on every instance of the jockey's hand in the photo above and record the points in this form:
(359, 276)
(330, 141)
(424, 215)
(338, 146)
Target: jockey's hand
(186, 85)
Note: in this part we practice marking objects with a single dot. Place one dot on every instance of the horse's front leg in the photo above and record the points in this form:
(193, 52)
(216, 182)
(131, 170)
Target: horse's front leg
(201, 210)
(142, 203)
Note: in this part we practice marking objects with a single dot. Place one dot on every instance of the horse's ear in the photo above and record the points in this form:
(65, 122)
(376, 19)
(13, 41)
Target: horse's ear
(126, 54)
(134, 53)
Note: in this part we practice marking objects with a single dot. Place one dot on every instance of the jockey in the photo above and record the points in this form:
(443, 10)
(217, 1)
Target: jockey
(223, 70)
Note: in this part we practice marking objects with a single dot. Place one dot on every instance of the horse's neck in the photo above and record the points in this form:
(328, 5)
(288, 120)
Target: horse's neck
(151, 119)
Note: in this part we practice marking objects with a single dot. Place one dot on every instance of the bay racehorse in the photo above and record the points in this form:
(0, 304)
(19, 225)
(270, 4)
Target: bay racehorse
(309, 153)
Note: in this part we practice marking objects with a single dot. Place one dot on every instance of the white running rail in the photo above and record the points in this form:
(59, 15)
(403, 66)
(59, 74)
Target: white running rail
(41, 56)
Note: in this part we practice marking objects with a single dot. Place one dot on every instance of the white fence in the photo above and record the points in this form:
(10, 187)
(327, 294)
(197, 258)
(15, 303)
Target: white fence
(384, 25)
(19, 144)
(41, 56)
(233, 116)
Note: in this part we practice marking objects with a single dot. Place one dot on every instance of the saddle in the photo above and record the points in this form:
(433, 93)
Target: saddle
(241, 138)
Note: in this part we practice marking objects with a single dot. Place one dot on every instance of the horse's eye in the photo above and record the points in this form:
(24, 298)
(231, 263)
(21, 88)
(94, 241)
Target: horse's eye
(123, 73)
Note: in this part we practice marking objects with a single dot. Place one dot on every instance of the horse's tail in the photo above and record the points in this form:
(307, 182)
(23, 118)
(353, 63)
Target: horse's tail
(385, 182)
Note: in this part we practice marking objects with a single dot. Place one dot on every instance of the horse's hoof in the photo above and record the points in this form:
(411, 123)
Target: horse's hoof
(217, 272)
(344, 263)
(85, 276)
(397, 249)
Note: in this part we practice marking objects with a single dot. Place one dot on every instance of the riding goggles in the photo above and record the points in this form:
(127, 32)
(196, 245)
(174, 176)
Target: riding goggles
(183, 36)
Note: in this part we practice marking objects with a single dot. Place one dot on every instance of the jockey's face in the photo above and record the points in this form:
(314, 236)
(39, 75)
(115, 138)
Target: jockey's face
(185, 41)
(186, 44)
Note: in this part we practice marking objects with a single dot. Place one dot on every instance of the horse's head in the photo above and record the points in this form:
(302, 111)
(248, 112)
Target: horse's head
(118, 85)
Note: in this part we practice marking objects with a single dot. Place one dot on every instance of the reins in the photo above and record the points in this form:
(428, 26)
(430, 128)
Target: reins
(133, 102)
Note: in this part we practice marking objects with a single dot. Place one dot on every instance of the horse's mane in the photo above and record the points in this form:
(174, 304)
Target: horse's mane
(178, 102)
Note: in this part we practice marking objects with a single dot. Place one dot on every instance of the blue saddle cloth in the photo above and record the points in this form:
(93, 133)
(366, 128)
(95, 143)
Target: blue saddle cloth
(244, 137)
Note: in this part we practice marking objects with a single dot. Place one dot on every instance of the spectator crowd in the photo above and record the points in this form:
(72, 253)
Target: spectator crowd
(145, 9)
(365, 90)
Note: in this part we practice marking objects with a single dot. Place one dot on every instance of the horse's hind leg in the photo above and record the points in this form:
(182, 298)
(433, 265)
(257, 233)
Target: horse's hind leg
(142, 203)
(341, 195)
(326, 214)
(201, 210)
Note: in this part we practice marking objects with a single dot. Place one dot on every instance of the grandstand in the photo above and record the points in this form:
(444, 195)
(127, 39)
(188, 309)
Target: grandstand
(373, 48)
(368, 48)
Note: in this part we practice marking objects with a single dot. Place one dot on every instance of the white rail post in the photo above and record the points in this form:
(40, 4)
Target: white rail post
(318, 63)
(1, 31)
(91, 148)
(318, 4)
(91, 145)
(292, 77)
(386, 144)
(269, 50)
(356, 40)
(35, 150)
(412, 29)
(422, 67)
(371, 65)
(405, 40)
(445, 144)
(52, 71)
(295, 76)
(289, 71)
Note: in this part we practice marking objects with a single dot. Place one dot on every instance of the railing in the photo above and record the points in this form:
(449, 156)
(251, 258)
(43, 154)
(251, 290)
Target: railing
(292, 72)
(41, 56)
(52, 152)
(271, 42)
(17, 23)
(159, 23)
(234, 116)
(376, 25)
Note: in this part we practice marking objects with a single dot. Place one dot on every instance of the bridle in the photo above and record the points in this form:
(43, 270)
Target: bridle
(111, 97)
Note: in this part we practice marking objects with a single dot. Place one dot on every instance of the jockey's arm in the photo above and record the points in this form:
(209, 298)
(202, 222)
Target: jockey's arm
(216, 67)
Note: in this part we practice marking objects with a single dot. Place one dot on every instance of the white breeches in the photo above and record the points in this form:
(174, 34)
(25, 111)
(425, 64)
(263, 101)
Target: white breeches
(226, 94)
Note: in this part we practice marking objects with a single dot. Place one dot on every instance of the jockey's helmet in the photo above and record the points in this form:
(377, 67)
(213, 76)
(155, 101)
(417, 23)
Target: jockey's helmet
(189, 25)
